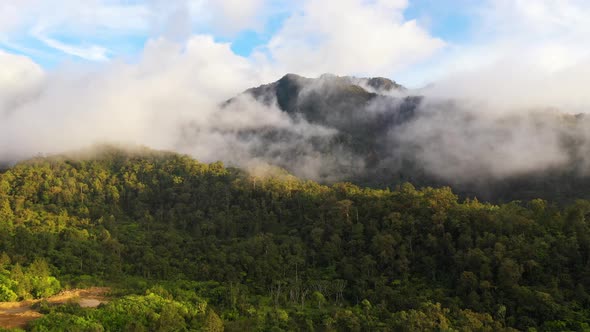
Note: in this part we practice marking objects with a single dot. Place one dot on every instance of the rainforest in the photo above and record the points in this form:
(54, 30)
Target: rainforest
(310, 165)
(183, 245)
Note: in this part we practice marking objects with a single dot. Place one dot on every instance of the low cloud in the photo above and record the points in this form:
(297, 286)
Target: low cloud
(493, 112)
(172, 99)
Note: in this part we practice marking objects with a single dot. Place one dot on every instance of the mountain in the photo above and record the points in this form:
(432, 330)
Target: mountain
(337, 102)
(385, 134)
(359, 111)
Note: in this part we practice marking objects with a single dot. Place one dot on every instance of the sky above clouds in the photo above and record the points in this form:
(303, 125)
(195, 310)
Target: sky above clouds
(413, 41)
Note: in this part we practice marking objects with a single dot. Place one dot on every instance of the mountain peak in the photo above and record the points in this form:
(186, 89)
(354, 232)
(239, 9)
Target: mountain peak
(292, 77)
(384, 84)
(294, 83)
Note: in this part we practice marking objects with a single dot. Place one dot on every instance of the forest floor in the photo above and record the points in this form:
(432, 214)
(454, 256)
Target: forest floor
(18, 314)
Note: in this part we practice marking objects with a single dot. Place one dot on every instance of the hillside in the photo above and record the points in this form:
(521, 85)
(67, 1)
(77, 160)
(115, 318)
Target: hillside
(383, 134)
(193, 246)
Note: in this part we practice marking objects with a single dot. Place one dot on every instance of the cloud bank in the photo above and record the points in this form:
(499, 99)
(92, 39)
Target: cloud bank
(352, 37)
(492, 111)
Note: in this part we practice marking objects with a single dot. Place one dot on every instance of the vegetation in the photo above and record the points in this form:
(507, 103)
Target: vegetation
(374, 144)
(192, 246)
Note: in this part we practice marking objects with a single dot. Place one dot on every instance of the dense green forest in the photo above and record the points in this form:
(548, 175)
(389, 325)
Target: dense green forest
(193, 246)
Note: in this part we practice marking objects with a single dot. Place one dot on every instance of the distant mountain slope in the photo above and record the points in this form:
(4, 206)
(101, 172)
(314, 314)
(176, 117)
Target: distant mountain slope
(383, 135)
(337, 101)
(360, 111)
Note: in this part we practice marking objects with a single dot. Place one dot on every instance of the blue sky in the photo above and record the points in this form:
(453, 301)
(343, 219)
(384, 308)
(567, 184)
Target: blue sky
(415, 40)
(48, 43)
(445, 19)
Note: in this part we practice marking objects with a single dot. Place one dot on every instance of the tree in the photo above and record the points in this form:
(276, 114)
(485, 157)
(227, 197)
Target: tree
(212, 322)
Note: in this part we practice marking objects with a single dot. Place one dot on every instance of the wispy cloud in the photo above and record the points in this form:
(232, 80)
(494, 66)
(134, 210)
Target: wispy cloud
(92, 53)
(80, 25)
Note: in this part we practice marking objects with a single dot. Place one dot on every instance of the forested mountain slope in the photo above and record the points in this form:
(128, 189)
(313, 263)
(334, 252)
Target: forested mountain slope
(204, 246)
(383, 134)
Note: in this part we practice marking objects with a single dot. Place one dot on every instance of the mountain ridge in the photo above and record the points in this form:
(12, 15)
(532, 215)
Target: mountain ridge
(386, 134)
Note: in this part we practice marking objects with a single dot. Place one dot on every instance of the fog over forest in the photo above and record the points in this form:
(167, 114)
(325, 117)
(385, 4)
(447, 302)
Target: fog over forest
(470, 125)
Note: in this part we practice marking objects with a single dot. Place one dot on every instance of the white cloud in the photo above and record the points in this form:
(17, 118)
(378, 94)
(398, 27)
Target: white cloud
(73, 17)
(93, 52)
(345, 36)
(143, 103)
(230, 16)
(8, 18)
(557, 18)
(16, 68)
(169, 100)
(535, 37)
(70, 26)
(350, 37)
(548, 33)
(78, 22)
(19, 78)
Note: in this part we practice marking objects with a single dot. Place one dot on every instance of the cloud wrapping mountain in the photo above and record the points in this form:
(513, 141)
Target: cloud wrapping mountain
(496, 112)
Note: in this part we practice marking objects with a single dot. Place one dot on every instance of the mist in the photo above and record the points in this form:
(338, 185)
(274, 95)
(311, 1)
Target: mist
(503, 120)
(492, 123)
(172, 99)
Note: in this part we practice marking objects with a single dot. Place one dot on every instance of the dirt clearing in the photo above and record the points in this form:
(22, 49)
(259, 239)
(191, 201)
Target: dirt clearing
(18, 314)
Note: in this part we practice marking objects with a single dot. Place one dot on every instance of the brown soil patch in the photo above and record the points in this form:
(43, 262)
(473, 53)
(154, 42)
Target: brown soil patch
(18, 314)
(8, 320)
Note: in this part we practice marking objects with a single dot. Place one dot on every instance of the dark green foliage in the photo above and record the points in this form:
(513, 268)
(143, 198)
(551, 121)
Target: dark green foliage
(33, 281)
(277, 253)
(58, 322)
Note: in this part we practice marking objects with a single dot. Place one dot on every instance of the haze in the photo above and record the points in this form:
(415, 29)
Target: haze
(149, 73)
